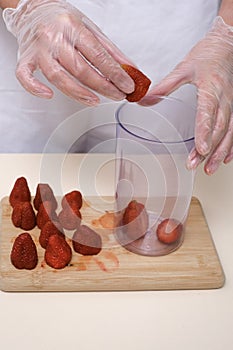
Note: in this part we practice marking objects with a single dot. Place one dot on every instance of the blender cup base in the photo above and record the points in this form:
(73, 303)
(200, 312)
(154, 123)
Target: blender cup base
(148, 245)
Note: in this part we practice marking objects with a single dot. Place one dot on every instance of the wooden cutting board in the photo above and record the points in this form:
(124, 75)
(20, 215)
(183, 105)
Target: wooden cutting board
(195, 265)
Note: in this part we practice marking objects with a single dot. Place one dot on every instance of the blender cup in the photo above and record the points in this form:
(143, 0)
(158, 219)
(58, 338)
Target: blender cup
(153, 185)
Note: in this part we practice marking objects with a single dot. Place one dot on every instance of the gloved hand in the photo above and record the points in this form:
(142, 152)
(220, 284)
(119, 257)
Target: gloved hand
(209, 66)
(69, 49)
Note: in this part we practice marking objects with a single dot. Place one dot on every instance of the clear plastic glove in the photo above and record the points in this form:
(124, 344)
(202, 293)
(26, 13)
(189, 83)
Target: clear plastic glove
(209, 66)
(69, 49)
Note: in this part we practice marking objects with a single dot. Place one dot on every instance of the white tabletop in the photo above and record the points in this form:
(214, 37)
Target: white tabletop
(196, 319)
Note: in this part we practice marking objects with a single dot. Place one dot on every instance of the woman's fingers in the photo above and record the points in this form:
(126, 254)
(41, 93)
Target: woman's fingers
(94, 52)
(207, 106)
(178, 77)
(194, 159)
(24, 73)
(222, 142)
(56, 75)
(107, 43)
(71, 60)
(222, 150)
(229, 157)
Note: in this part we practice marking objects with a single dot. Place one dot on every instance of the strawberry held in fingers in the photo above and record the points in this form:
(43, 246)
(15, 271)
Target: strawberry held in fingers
(142, 83)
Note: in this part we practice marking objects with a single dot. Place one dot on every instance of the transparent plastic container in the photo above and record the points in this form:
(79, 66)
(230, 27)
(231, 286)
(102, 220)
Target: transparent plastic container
(153, 144)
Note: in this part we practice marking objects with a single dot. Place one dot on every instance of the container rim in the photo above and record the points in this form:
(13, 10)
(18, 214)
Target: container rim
(122, 125)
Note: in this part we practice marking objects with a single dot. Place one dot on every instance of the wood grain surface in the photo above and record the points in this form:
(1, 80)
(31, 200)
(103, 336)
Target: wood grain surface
(195, 265)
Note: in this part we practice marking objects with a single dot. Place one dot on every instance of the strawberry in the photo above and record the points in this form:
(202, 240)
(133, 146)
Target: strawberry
(72, 199)
(58, 253)
(50, 228)
(24, 253)
(20, 192)
(169, 231)
(141, 81)
(23, 216)
(45, 213)
(135, 220)
(70, 218)
(86, 241)
(44, 193)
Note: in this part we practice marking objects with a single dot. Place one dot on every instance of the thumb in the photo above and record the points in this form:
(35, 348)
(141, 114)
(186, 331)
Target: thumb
(179, 76)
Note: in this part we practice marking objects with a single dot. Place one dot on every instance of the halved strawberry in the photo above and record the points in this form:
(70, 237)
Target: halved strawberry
(70, 218)
(86, 241)
(169, 231)
(135, 220)
(72, 199)
(142, 83)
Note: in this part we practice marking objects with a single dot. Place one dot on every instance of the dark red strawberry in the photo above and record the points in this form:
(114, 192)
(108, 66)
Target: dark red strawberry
(70, 218)
(23, 216)
(169, 231)
(20, 192)
(50, 228)
(24, 253)
(135, 220)
(86, 241)
(58, 253)
(44, 193)
(72, 199)
(141, 81)
(45, 213)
